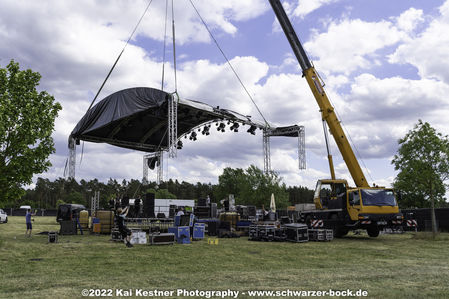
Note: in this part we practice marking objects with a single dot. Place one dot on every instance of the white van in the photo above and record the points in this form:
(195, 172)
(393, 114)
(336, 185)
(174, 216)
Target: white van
(3, 216)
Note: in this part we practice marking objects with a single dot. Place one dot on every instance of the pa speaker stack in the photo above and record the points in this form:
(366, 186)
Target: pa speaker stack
(212, 228)
(213, 210)
(202, 202)
(172, 211)
(252, 211)
(201, 212)
(148, 205)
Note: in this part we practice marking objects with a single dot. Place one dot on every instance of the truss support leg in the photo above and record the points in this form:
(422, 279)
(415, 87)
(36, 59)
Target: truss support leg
(302, 148)
(72, 158)
(266, 153)
(172, 125)
(145, 171)
(160, 168)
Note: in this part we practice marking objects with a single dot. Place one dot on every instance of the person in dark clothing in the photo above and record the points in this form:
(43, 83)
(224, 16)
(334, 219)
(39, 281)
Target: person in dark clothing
(126, 232)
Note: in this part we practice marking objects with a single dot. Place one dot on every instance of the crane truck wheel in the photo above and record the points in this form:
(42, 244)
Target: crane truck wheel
(373, 232)
(308, 221)
(339, 232)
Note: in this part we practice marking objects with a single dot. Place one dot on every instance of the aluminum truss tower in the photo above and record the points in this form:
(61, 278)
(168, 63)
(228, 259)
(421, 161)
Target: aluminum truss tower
(266, 152)
(172, 126)
(159, 166)
(293, 131)
(72, 158)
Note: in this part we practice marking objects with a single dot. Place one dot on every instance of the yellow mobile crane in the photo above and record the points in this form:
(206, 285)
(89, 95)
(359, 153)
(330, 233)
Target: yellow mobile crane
(339, 206)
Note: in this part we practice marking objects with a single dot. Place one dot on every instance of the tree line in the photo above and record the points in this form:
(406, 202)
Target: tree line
(249, 187)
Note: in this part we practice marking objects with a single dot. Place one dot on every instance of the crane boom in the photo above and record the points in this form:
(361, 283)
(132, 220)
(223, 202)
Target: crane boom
(327, 111)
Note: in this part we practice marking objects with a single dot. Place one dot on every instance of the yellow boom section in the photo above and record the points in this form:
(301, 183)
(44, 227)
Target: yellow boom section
(328, 114)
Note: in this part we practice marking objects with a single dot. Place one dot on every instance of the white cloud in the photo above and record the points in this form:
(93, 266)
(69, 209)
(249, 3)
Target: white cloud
(429, 51)
(307, 6)
(410, 19)
(348, 45)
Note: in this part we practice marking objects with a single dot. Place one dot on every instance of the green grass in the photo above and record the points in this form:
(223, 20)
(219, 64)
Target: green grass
(390, 266)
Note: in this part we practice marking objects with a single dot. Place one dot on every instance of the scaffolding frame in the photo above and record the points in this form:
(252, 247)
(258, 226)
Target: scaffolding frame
(95, 202)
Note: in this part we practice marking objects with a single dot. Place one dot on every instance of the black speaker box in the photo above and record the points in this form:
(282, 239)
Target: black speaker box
(172, 211)
(225, 225)
(125, 201)
(213, 210)
(148, 205)
(68, 227)
(212, 228)
(251, 211)
(202, 202)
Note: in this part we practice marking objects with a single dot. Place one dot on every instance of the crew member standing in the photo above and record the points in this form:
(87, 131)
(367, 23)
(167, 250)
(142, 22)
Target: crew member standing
(28, 222)
(124, 231)
(180, 212)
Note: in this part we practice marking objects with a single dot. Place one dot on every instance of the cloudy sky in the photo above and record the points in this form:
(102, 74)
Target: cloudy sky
(385, 64)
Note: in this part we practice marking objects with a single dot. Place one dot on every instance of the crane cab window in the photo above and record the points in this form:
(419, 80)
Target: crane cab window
(378, 197)
(354, 198)
(323, 192)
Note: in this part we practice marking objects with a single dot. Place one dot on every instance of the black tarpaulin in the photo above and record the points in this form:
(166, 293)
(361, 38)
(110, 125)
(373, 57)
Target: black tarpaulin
(137, 118)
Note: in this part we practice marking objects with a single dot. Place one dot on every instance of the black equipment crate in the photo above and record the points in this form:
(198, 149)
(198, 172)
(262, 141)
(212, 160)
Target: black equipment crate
(267, 232)
(116, 235)
(280, 235)
(253, 233)
(296, 232)
(68, 227)
(317, 234)
(161, 239)
(262, 232)
(52, 237)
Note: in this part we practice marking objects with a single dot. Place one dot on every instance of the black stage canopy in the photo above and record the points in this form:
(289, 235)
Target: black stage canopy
(137, 118)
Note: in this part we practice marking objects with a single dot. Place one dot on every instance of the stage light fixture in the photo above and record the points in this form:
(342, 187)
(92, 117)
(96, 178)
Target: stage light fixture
(234, 127)
(206, 130)
(252, 130)
(221, 127)
(179, 145)
(193, 136)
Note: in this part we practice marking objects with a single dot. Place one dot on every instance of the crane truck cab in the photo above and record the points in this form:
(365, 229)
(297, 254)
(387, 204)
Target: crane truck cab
(345, 208)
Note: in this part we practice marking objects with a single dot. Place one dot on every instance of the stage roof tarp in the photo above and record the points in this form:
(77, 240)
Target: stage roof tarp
(137, 118)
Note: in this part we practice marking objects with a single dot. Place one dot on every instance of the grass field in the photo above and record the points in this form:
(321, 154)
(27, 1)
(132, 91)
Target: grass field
(390, 266)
